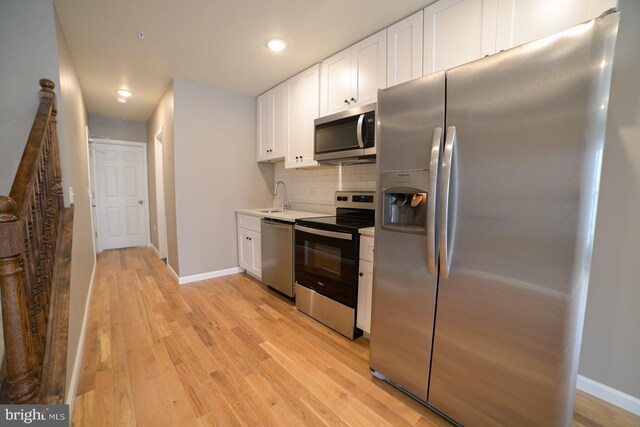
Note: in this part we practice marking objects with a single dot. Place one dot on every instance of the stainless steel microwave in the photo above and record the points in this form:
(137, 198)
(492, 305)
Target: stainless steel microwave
(346, 136)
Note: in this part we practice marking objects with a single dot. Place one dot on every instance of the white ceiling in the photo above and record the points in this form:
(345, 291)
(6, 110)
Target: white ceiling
(219, 43)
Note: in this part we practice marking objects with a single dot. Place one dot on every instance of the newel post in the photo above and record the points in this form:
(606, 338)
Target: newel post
(21, 371)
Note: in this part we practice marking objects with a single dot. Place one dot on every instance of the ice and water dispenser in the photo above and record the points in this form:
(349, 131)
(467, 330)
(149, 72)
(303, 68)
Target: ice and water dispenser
(404, 200)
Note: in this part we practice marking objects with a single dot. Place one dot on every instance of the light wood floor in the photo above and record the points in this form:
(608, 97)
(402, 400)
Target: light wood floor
(229, 352)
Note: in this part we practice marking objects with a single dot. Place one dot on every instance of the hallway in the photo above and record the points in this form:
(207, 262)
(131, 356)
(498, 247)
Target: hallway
(227, 351)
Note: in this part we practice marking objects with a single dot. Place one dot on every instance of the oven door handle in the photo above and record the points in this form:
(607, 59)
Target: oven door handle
(325, 233)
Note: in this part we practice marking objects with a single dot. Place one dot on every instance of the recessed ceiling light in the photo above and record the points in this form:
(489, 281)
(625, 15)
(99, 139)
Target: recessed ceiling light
(124, 92)
(121, 100)
(277, 45)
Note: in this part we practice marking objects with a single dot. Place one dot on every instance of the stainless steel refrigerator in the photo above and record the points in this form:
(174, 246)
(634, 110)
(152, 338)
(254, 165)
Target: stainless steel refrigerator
(487, 190)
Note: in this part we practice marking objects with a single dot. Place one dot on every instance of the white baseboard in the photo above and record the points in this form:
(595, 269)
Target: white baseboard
(609, 394)
(73, 384)
(152, 246)
(173, 272)
(210, 275)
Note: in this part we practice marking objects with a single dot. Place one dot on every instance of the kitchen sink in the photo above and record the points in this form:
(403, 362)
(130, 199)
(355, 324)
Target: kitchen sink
(271, 210)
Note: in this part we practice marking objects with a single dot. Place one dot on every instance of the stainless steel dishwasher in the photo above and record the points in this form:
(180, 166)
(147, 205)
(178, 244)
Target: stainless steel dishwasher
(277, 255)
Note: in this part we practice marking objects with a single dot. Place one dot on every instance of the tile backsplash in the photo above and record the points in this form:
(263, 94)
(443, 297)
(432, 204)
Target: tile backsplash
(317, 186)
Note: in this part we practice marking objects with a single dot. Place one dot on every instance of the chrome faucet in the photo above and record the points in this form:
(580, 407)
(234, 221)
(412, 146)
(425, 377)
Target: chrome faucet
(285, 205)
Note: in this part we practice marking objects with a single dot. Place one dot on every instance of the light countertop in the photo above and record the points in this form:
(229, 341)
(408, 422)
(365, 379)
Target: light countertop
(369, 231)
(288, 215)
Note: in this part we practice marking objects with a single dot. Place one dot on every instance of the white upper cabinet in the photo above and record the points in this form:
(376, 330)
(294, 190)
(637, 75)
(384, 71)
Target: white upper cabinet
(353, 76)
(280, 116)
(272, 121)
(303, 93)
(521, 21)
(404, 50)
(265, 125)
(368, 69)
(457, 32)
(336, 83)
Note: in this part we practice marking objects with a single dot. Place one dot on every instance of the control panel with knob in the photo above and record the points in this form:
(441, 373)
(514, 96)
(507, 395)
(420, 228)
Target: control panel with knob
(355, 199)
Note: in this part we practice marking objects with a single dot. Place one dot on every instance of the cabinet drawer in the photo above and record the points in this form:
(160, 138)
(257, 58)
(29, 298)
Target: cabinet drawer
(366, 248)
(249, 222)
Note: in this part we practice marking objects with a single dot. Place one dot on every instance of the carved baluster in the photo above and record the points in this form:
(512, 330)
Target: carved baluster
(51, 224)
(21, 368)
(47, 91)
(28, 266)
(44, 276)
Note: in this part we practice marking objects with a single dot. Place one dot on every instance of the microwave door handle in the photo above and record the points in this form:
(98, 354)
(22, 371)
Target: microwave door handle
(359, 131)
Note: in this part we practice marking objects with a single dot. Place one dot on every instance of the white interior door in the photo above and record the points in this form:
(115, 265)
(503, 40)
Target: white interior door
(121, 194)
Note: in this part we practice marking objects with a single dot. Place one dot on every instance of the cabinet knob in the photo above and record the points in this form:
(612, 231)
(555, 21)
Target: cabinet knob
(361, 274)
(297, 157)
(300, 157)
(346, 101)
(353, 99)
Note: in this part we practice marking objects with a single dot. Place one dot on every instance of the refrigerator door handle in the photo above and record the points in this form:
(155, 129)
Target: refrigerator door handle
(445, 186)
(432, 198)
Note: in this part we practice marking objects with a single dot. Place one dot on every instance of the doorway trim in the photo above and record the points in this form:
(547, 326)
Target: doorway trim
(161, 204)
(142, 145)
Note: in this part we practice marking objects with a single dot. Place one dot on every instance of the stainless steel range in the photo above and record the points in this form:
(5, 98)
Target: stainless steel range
(326, 261)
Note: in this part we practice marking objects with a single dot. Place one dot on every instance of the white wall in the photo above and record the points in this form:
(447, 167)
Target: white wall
(215, 173)
(611, 340)
(32, 46)
(314, 189)
(28, 52)
(162, 118)
(124, 130)
(77, 172)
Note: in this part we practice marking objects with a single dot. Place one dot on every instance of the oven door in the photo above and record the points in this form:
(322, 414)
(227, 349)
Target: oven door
(327, 262)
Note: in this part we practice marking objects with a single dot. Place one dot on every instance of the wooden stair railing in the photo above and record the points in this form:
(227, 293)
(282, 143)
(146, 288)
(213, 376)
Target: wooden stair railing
(29, 222)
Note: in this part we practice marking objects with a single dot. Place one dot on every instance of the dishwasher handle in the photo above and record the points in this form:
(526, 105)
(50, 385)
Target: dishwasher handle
(277, 223)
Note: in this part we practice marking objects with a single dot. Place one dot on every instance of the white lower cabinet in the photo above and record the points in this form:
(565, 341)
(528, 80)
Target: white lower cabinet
(365, 289)
(249, 245)
(365, 284)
